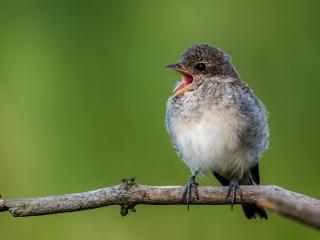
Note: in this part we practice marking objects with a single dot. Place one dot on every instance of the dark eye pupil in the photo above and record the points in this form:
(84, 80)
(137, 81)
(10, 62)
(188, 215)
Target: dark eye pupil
(200, 66)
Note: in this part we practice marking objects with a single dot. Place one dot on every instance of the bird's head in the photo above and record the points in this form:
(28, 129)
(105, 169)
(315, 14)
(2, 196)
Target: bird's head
(198, 63)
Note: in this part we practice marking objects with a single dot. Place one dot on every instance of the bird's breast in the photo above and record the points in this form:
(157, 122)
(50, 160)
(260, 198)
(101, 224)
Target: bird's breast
(208, 139)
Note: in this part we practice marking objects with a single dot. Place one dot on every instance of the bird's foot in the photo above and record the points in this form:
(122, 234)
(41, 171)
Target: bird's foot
(234, 188)
(188, 190)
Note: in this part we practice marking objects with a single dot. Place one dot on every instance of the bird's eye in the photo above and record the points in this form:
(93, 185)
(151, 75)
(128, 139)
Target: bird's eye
(200, 66)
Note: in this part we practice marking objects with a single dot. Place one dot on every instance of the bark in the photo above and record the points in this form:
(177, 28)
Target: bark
(128, 194)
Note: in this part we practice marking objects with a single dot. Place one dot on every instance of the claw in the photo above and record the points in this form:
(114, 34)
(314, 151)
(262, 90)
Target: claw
(187, 193)
(234, 188)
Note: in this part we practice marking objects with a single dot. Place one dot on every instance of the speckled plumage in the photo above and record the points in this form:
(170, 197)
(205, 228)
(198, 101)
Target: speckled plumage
(218, 126)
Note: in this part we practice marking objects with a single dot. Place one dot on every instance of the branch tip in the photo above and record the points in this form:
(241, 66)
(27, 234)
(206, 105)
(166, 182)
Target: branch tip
(2, 205)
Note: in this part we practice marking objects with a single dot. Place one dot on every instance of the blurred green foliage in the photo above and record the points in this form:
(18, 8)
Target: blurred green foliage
(82, 103)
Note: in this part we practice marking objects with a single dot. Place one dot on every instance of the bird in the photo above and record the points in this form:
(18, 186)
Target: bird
(216, 123)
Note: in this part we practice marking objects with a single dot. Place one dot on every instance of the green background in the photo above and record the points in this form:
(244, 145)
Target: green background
(82, 103)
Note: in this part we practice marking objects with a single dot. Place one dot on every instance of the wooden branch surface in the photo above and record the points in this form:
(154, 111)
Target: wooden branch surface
(128, 194)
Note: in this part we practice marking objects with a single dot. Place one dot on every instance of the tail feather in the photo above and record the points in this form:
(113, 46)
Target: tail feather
(253, 211)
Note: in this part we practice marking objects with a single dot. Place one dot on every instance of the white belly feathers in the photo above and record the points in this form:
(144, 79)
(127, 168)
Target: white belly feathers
(211, 142)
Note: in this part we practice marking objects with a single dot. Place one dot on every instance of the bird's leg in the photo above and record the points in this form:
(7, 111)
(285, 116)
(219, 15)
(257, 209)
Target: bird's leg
(234, 187)
(188, 189)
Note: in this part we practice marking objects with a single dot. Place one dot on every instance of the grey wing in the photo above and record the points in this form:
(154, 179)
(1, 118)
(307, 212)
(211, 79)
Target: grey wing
(256, 133)
(169, 112)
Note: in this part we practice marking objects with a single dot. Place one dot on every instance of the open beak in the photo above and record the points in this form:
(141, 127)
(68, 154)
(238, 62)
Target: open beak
(186, 83)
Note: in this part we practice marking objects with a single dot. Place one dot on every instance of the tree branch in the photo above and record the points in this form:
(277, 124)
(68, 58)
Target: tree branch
(128, 194)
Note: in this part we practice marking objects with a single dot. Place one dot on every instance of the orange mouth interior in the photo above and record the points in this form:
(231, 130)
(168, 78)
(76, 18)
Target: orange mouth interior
(186, 82)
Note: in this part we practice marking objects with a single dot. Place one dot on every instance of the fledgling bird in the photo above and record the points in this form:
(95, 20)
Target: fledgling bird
(216, 123)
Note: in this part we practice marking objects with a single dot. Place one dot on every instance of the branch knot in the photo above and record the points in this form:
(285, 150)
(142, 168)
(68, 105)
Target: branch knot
(126, 207)
(128, 183)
